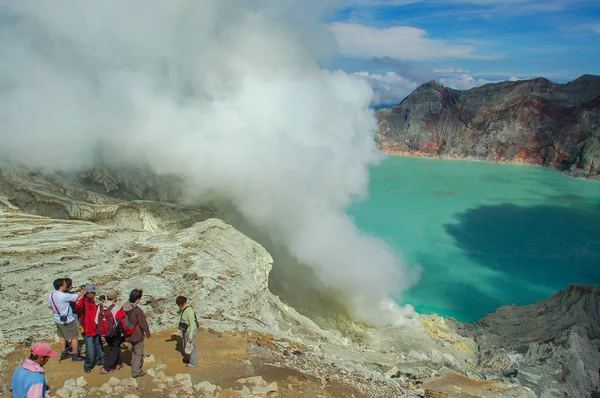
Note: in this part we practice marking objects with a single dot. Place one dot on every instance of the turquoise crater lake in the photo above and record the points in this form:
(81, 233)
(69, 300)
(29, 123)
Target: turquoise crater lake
(484, 234)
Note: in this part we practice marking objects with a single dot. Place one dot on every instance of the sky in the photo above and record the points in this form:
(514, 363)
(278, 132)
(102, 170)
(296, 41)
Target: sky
(397, 45)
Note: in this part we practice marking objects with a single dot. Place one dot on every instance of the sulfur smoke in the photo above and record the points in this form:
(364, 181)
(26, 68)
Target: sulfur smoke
(228, 94)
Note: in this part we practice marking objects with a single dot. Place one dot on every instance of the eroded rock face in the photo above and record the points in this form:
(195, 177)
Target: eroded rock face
(101, 195)
(530, 121)
(551, 346)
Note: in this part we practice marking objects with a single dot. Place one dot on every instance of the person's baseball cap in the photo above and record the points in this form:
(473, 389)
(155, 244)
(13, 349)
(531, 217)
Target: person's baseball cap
(90, 288)
(43, 350)
(111, 294)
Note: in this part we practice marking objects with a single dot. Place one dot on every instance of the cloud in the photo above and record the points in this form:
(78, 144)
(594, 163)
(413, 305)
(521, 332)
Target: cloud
(409, 70)
(391, 88)
(464, 82)
(403, 42)
(506, 6)
(400, 79)
(228, 95)
(388, 88)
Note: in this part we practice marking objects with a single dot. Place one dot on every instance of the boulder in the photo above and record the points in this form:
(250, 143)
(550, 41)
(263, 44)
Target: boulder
(206, 387)
(81, 381)
(113, 381)
(252, 381)
(130, 382)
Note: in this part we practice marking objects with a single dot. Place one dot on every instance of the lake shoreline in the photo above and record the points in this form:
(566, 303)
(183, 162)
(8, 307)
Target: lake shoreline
(576, 174)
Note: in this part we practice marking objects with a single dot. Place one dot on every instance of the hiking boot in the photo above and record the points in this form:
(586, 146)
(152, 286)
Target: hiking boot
(87, 370)
(64, 355)
(77, 358)
(139, 375)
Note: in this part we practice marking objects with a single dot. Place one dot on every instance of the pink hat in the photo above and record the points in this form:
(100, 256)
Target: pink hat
(43, 350)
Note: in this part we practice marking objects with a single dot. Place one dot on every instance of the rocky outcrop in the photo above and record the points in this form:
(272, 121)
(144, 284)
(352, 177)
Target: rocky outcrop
(552, 347)
(530, 121)
(135, 199)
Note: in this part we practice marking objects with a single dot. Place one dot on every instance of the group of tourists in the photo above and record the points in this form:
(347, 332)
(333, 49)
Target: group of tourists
(76, 312)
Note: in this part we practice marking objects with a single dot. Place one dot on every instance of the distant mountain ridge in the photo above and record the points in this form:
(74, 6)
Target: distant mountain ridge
(528, 121)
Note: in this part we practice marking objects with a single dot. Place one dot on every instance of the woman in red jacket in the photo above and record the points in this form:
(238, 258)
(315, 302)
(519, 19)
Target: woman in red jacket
(87, 308)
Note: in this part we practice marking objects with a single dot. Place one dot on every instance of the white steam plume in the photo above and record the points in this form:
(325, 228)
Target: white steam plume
(228, 94)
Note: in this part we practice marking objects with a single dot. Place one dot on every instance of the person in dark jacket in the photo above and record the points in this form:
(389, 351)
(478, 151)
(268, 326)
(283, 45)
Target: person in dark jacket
(138, 320)
(113, 358)
(87, 310)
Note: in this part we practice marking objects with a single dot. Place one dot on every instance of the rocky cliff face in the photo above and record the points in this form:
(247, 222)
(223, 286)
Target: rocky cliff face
(530, 121)
(552, 347)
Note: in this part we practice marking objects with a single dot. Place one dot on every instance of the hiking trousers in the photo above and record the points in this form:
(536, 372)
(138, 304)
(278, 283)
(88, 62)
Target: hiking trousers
(137, 357)
(113, 358)
(193, 357)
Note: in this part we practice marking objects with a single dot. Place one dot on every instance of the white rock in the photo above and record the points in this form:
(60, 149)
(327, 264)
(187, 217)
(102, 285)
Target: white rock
(151, 372)
(130, 382)
(131, 396)
(77, 391)
(120, 389)
(81, 381)
(186, 384)
(168, 379)
(253, 381)
(264, 390)
(70, 383)
(207, 387)
(161, 366)
(106, 388)
(113, 381)
(392, 372)
(183, 376)
(149, 359)
(63, 392)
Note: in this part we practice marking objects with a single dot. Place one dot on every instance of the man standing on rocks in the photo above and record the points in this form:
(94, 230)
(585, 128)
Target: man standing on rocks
(66, 325)
(138, 319)
(87, 309)
(29, 380)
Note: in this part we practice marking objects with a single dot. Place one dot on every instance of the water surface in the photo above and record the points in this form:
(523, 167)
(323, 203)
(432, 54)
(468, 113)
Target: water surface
(484, 234)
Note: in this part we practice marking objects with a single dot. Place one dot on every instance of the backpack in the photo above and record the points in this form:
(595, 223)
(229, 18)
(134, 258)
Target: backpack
(106, 321)
(124, 326)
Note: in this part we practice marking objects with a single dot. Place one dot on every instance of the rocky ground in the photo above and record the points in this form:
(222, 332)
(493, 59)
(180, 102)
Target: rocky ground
(95, 235)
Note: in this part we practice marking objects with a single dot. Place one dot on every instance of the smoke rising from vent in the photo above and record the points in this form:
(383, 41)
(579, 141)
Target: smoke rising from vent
(229, 95)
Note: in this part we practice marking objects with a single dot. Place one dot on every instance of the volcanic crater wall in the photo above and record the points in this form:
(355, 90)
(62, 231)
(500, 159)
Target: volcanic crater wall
(529, 121)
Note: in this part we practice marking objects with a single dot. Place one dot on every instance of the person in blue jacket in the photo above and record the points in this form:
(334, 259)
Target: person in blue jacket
(29, 380)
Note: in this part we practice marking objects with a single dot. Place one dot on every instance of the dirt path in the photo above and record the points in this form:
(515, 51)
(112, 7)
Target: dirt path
(222, 359)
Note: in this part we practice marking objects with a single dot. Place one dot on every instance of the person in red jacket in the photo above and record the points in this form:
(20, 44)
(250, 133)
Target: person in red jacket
(87, 309)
